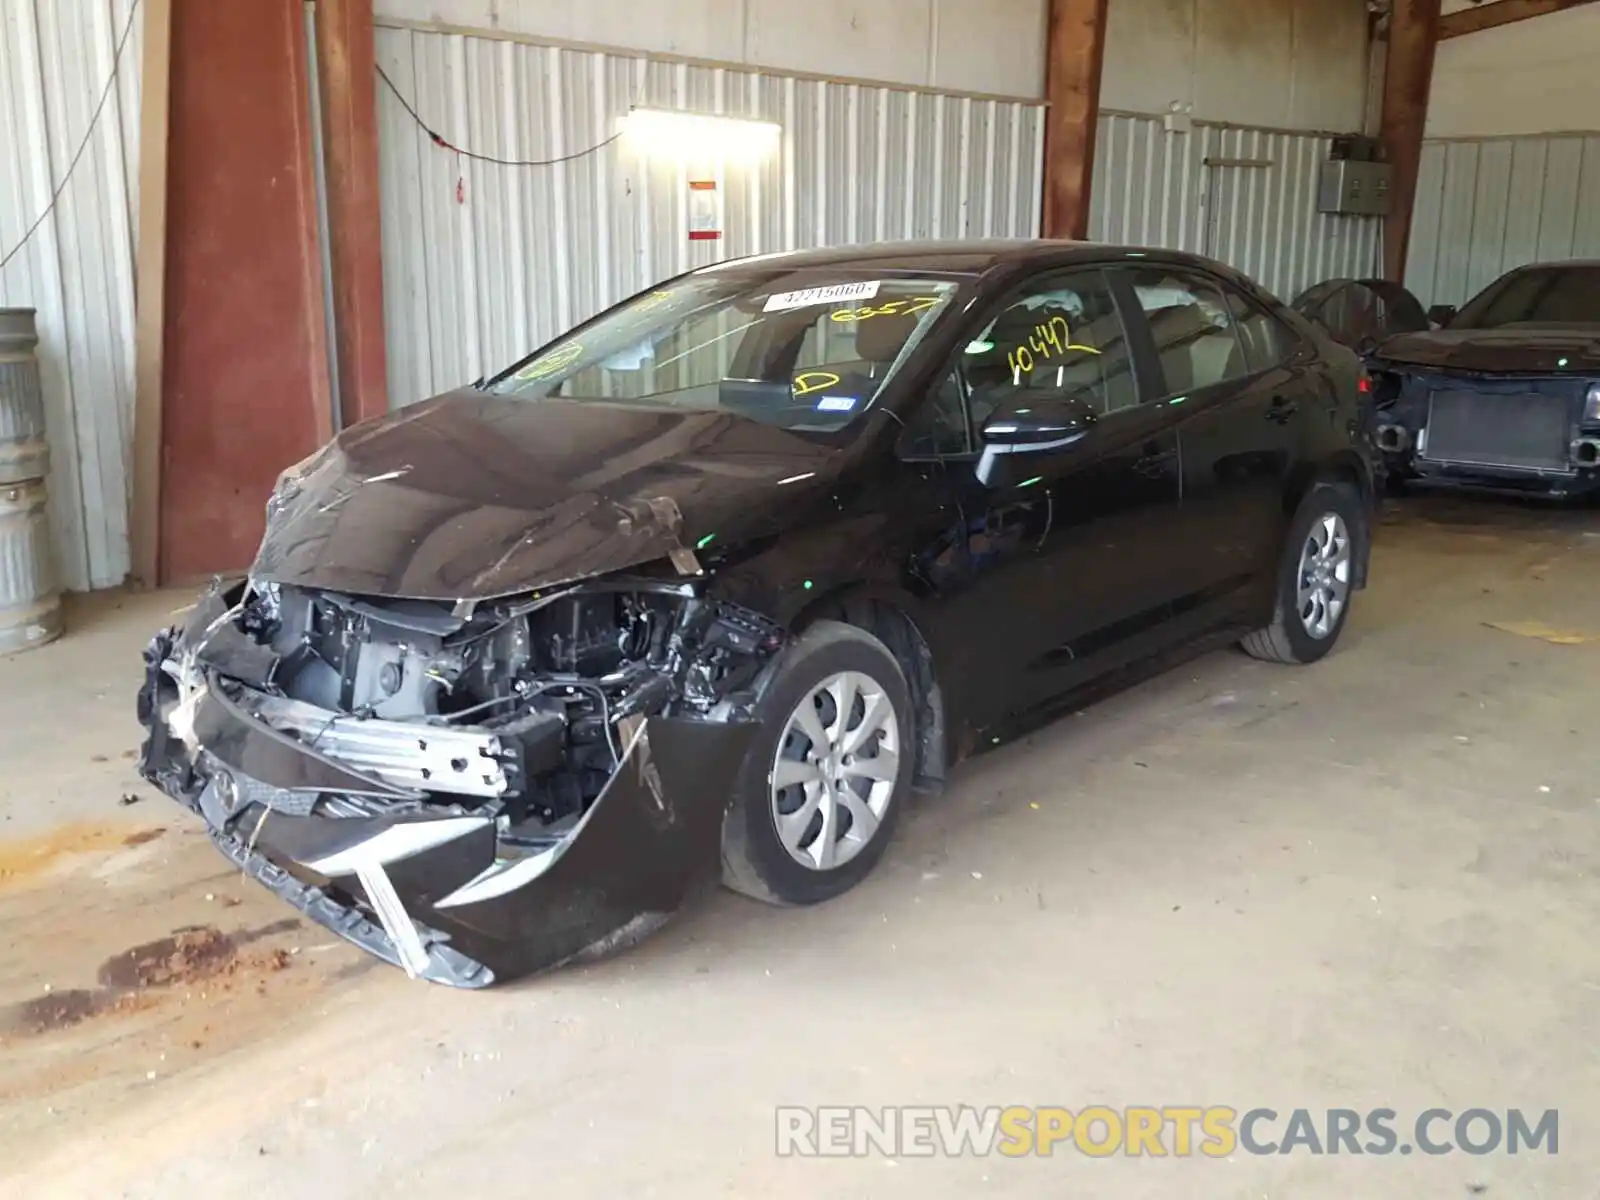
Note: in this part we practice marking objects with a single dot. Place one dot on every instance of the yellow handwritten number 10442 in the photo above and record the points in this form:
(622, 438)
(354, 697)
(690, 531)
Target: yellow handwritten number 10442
(1048, 341)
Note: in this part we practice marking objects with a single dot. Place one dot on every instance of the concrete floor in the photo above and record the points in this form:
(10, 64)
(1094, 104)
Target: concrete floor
(1371, 883)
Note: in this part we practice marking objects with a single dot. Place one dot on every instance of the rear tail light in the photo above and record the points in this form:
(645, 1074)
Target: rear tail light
(1364, 385)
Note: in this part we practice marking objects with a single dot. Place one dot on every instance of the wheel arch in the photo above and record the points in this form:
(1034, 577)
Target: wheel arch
(1345, 466)
(888, 616)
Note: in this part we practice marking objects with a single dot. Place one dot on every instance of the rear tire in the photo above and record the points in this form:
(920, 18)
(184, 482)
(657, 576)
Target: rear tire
(1316, 577)
(802, 842)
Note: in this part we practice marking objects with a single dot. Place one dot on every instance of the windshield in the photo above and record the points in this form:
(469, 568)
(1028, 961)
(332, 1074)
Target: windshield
(1547, 296)
(805, 350)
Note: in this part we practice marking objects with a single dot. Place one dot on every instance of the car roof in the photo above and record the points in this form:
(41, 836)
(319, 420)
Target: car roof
(973, 256)
(1558, 264)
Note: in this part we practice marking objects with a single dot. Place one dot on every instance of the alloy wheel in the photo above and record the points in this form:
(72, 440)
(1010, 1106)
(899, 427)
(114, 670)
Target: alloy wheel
(835, 770)
(1323, 580)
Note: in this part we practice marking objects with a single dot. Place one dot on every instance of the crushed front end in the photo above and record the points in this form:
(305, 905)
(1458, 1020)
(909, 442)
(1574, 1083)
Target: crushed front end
(469, 791)
(1494, 431)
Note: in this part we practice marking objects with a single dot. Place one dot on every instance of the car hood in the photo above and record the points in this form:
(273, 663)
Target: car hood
(472, 496)
(1547, 350)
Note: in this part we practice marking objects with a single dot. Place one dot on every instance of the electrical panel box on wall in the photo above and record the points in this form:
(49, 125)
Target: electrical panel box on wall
(1354, 188)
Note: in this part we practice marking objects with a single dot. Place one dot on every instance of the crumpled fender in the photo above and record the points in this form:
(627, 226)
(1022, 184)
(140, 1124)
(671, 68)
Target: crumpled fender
(452, 905)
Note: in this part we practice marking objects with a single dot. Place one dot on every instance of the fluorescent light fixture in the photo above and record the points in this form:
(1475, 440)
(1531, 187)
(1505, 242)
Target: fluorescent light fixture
(695, 135)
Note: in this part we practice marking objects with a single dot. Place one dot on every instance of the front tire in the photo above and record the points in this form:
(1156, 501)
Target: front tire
(1316, 577)
(822, 786)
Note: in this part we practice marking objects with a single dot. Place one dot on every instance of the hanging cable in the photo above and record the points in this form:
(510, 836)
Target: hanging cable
(94, 119)
(444, 143)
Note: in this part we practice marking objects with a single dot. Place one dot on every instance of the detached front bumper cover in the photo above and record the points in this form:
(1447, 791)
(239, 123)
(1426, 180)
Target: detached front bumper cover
(433, 888)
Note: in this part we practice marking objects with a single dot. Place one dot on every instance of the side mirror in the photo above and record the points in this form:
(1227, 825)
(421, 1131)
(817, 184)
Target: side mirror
(1441, 314)
(1032, 421)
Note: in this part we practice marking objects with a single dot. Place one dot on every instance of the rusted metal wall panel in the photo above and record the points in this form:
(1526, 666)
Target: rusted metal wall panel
(1244, 196)
(992, 46)
(1487, 205)
(77, 267)
(1293, 64)
(483, 263)
(245, 388)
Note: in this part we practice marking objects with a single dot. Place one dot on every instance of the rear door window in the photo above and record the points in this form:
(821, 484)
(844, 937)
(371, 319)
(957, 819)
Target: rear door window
(1195, 331)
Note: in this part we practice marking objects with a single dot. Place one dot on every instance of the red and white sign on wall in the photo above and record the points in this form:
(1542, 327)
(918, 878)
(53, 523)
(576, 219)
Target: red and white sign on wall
(705, 210)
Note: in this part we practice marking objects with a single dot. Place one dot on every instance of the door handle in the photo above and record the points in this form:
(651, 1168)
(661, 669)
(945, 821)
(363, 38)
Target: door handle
(1281, 410)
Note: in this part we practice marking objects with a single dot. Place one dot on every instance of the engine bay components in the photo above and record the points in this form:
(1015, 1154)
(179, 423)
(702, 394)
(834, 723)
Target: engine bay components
(405, 772)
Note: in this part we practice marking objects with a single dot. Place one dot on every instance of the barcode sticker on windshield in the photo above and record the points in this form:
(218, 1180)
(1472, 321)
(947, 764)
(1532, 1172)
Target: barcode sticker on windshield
(835, 294)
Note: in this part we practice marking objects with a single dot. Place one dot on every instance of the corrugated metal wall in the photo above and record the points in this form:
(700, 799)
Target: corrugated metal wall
(483, 262)
(1255, 208)
(77, 270)
(1486, 206)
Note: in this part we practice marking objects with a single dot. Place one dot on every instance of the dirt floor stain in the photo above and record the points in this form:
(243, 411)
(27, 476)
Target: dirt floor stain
(63, 1010)
(55, 1010)
(186, 957)
(1543, 633)
(136, 978)
(26, 859)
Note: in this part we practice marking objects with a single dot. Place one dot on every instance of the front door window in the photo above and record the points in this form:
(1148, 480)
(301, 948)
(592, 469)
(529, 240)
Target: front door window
(1062, 333)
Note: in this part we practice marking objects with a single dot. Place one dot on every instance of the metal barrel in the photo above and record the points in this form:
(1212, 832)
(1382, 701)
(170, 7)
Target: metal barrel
(30, 596)
(24, 453)
(30, 601)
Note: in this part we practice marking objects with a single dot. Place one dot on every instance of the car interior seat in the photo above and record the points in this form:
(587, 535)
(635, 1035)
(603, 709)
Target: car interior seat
(1088, 376)
(1098, 379)
(1195, 350)
(880, 339)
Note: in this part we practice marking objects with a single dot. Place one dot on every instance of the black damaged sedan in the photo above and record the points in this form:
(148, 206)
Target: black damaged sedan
(1506, 395)
(708, 586)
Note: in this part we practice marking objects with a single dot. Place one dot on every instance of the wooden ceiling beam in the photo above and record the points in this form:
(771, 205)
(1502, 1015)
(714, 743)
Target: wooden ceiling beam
(1498, 13)
(1075, 47)
(1407, 79)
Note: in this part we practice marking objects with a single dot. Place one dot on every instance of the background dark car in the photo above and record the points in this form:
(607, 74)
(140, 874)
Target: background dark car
(1506, 395)
(728, 570)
